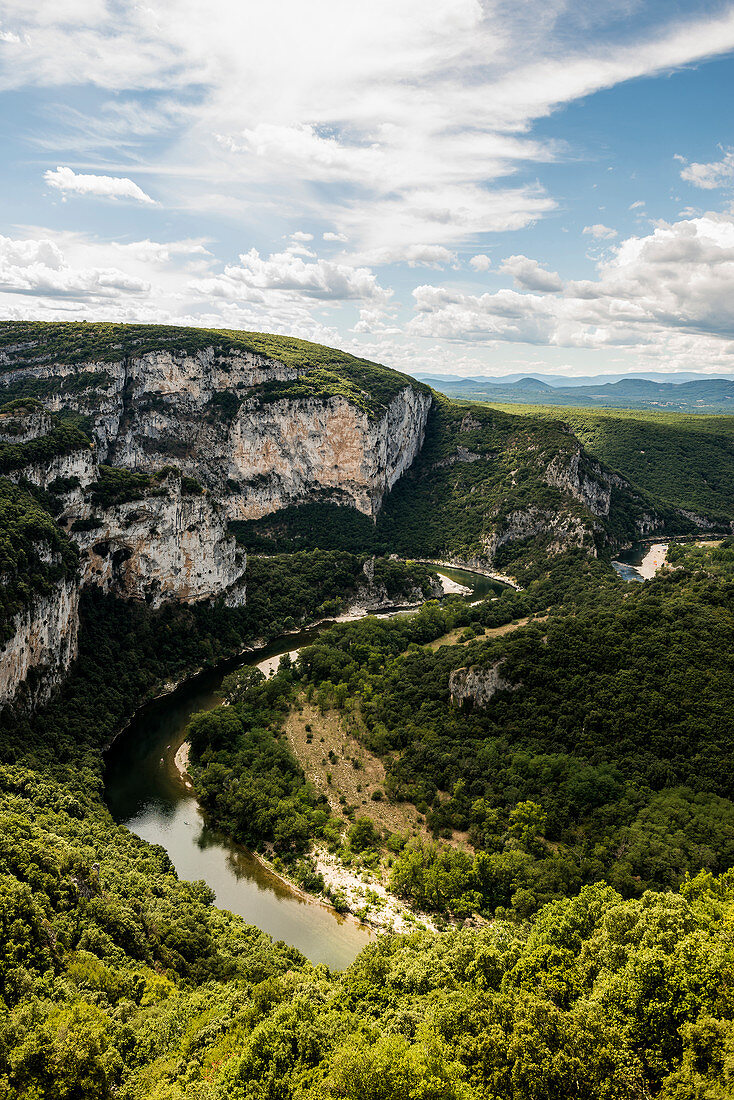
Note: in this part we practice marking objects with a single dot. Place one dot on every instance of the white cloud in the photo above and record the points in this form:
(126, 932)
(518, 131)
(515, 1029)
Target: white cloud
(108, 187)
(341, 237)
(716, 174)
(530, 275)
(600, 232)
(283, 272)
(414, 255)
(480, 262)
(667, 294)
(398, 122)
(38, 267)
(638, 205)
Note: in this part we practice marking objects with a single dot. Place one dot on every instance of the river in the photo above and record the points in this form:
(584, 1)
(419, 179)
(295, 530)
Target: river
(145, 792)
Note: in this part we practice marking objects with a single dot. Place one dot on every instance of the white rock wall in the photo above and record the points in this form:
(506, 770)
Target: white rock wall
(164, 547)
(44, 642)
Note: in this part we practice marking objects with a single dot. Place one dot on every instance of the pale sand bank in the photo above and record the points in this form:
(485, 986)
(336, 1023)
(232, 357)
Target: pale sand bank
(181, 760)
(653, 560)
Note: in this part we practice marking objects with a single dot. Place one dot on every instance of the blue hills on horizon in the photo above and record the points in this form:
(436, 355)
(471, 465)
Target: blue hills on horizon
(688, 393)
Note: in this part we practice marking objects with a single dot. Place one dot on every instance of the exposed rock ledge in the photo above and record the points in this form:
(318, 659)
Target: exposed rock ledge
(43, 645)
(477, 686)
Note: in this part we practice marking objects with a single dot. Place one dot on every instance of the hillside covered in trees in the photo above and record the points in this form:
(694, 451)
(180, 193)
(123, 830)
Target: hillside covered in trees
(561, 751)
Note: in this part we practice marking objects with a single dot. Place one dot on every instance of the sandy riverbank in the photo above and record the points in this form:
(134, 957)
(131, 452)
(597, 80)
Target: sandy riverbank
(653, 560)
(181, 760)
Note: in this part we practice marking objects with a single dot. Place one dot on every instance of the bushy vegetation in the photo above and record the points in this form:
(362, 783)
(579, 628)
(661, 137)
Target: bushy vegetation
(716, 557)
(612, 737)
(118, 485)
(34, 553)
(681, 461)
(119, 981)
(63, 438)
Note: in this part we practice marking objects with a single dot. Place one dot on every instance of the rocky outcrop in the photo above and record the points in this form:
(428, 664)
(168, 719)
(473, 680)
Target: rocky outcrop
(172, 542)
(255, 452)
(475, 687)
(291, 451)
(587, 482)
(166, 546)
(43, 645)
(373, 595)
(560, 531)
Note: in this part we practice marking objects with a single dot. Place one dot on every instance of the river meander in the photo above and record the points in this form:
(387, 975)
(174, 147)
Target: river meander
(145, 792)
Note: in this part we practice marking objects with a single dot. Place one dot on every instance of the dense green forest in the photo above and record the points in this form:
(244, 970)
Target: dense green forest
(117, 980)
(680, 461)
(603, 755)
(564, 747)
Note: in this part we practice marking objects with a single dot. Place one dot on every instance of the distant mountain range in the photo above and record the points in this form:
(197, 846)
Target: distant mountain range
(694, 394)
(560, 381)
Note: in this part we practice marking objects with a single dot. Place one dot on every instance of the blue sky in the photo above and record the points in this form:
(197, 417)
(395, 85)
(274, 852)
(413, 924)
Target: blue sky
(457, 187)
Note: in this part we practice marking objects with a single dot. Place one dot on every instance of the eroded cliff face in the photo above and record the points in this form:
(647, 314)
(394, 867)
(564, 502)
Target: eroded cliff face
(256, 453)
(293, 451)
(171, 542)
(162, 547)
(475, 687)
(34, 660)
(561, 531)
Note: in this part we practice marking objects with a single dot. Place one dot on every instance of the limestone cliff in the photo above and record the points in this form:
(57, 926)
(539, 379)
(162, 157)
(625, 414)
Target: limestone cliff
(477, 686)
(258, 432)
(164, 538)
(167, 545)
(43, 644)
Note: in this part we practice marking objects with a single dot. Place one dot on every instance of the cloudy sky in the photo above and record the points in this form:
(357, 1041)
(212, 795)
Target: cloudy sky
(456, 186)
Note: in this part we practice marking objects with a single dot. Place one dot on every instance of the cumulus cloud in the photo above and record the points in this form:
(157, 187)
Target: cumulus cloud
(255, 276)
(718, 173)
(600, 232)
(38, 267)
(341, 237)
(529, 274)
(670, 289)
(480, 262)
(107, 187)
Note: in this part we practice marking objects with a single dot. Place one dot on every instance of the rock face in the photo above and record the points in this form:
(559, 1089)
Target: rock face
(255, 452)
(477, 686)
(43, 646)
(295, 450)
(218, 417)
(171, 543)
(168, 546)
(562, 531)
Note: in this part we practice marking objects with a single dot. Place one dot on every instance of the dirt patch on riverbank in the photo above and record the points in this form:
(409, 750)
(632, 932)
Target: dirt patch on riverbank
(338, 765)
(453, 636)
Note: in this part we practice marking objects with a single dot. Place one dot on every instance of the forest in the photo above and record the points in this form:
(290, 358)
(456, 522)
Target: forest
(118, 980)
(603, 756)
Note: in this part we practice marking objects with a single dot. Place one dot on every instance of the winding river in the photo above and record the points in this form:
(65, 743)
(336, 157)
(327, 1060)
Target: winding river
(145, 792)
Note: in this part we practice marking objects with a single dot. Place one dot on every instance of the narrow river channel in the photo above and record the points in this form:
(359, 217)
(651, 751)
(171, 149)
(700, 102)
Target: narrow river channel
(145, 792)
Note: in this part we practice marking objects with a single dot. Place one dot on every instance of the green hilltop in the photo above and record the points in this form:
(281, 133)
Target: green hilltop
(324, 372)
